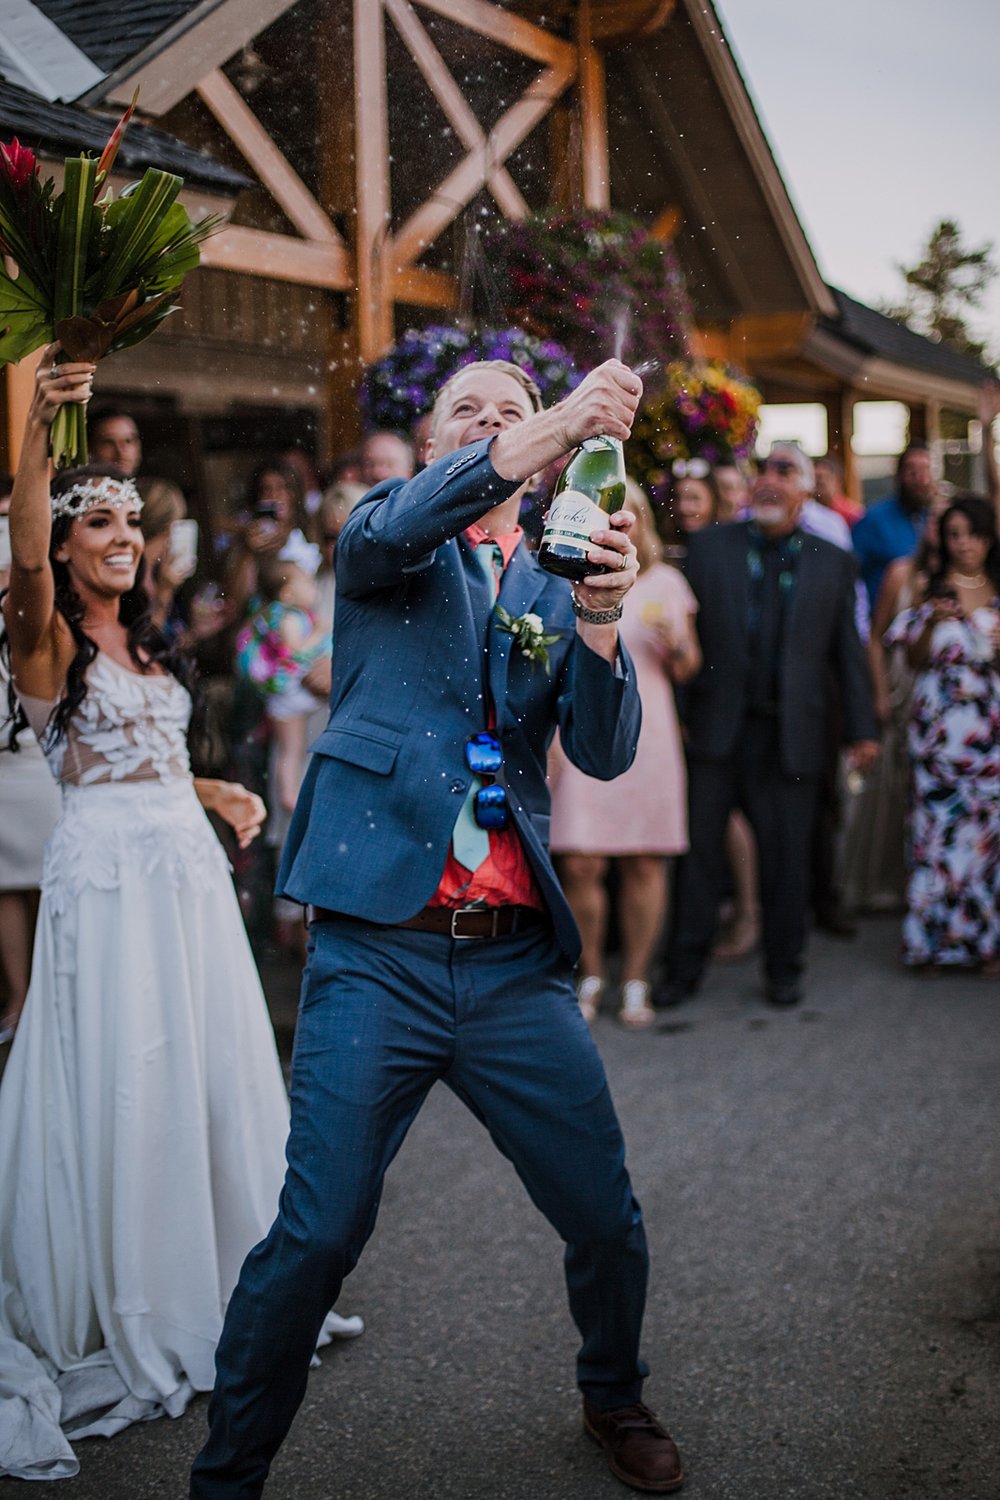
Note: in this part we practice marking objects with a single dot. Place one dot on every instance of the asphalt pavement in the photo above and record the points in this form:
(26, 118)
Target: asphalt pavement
(821, 1198)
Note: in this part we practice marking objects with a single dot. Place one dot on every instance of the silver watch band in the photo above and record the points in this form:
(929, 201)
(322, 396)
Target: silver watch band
(595, 616)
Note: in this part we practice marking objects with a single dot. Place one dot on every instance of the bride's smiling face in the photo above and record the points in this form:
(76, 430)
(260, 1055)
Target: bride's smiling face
(102, 550)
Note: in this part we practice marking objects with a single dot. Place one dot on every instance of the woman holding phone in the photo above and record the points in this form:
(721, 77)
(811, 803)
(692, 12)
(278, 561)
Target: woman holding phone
(171, 550)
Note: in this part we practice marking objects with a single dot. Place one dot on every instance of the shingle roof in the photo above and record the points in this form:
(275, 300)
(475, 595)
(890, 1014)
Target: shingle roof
(108, 30)
(63, 130)
(876, 334)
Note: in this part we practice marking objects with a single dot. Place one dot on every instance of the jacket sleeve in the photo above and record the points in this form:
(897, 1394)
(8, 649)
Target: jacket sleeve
(599, 712)
(395, 530)
(853, 671)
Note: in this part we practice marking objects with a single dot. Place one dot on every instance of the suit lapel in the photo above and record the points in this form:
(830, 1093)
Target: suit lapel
(522, 582)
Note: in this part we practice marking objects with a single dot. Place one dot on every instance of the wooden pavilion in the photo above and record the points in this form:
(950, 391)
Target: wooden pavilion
(355, 145)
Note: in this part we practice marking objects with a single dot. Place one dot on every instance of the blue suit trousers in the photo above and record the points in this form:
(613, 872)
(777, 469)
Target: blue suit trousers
(385, 1012)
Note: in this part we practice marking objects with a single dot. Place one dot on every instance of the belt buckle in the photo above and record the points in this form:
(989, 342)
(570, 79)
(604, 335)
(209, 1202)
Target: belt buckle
(471, 937)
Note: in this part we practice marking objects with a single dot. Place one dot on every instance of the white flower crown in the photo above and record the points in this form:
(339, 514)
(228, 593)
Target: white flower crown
(88, 494)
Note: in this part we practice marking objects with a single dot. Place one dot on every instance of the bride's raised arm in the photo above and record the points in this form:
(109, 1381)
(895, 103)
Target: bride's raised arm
(33, 625)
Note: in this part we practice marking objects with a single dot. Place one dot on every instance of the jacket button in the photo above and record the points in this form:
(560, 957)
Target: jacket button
(457, 786)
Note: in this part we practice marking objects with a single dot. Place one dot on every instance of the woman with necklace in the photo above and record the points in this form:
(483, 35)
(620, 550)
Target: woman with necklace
(953, 643)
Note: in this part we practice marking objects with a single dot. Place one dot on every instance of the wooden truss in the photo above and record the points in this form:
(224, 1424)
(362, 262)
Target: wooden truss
(385, 265)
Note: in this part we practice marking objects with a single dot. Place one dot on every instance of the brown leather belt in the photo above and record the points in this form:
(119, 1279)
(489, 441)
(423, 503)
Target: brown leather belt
(460, 923)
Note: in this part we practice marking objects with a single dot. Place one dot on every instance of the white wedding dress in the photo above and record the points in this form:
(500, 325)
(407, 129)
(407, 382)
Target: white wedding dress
(142, 1111)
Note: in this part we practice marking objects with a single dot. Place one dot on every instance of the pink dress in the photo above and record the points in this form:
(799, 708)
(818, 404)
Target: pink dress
(645, 810)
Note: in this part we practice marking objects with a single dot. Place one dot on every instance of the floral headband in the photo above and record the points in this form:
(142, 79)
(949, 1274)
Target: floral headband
(88, 494)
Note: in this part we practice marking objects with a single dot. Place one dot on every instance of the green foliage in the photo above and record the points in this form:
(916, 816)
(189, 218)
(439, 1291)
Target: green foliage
(98, 273)
(945, 287)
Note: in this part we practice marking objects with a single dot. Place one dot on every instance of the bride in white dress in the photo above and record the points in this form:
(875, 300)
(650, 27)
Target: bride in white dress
(142, 1110)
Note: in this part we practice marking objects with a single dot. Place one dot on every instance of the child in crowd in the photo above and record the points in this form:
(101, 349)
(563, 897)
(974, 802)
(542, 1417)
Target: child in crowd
(275, 650)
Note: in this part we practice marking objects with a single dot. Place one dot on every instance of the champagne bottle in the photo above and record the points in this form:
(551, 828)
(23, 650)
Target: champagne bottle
(588, 490)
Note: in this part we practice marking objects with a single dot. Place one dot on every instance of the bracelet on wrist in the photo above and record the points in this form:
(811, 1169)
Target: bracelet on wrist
(595, 616)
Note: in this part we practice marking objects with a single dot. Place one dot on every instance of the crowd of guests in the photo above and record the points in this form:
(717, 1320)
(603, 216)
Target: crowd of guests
(762, 651)
(821, 723)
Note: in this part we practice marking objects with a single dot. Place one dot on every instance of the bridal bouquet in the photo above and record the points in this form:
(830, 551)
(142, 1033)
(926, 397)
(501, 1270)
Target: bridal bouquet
(96, 272)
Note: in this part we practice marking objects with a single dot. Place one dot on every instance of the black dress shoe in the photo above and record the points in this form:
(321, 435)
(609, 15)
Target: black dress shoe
(786, 994)
(674, 992)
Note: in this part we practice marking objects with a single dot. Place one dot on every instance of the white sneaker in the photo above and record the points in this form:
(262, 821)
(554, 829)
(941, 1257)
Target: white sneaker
(337, 1327)
(588, 993)
(636, 1013)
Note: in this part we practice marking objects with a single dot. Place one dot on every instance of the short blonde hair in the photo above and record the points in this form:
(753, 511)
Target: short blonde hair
(162, 504)
(505, 366)
(337, 503)
(645, 536)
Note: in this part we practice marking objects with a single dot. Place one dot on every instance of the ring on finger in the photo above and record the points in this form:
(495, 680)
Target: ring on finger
(623, 564)
(54, 371)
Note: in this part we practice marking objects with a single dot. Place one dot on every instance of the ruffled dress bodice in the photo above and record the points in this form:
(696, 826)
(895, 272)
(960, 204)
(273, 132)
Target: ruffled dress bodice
(128, 793)
(129, 727)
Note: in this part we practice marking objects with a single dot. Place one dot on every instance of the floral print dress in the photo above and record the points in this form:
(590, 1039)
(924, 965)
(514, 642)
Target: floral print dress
(953, 887)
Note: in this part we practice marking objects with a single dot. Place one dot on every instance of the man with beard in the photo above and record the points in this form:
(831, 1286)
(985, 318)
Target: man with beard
(776, 620)
(894, 526)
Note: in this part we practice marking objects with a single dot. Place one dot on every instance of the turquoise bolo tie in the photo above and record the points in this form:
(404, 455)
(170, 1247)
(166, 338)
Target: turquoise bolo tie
(469, 842)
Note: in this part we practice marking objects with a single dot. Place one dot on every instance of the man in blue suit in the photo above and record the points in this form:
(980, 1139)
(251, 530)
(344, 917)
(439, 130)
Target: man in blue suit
(441, 946)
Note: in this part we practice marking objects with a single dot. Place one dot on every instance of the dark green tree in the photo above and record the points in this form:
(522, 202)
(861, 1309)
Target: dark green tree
(945, 287)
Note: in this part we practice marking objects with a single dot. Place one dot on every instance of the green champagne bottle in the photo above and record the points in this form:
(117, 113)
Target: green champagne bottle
(589, 489)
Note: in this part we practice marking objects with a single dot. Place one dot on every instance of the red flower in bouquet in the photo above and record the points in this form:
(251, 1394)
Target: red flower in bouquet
(18, 165)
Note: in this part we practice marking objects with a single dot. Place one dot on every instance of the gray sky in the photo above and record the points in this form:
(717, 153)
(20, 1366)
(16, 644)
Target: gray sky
(884, 117)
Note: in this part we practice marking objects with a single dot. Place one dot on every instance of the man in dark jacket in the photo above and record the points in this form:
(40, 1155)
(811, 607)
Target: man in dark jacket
(775, 617)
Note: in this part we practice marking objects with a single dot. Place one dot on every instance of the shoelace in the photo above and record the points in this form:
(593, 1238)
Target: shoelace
(634, 1418)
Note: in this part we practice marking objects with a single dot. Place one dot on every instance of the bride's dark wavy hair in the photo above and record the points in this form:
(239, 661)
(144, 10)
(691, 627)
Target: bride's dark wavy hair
(147, 645)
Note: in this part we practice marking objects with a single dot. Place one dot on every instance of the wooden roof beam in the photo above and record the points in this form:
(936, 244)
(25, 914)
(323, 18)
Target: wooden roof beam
(258, 252)
(271, 167)
(464, 181)
(453, 103)
(508, 29)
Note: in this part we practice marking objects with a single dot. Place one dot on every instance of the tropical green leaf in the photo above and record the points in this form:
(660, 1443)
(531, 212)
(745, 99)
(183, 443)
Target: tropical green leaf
(134, 221)
(73, 241)
(171, 252)
(142, 329)
(25, 323)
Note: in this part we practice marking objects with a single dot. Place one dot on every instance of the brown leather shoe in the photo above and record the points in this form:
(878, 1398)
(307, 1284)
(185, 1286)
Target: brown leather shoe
(639, 1452)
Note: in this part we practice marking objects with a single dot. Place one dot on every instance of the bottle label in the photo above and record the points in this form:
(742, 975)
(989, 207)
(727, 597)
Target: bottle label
(572, 518)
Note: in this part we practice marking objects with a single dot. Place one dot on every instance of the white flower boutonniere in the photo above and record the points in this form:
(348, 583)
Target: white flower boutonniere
(529, 634)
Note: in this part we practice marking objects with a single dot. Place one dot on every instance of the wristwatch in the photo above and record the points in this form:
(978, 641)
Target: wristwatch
(595, 616)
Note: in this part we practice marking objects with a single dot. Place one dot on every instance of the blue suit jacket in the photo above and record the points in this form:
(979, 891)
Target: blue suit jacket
(415, 645)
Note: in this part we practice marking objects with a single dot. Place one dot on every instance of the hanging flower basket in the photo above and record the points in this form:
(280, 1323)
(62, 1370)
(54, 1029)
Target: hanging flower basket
(402, 385)
(601, 283)
(709, 410)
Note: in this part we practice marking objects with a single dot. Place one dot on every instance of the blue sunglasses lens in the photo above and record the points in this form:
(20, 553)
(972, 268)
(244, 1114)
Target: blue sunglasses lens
(483, 755)
(491, 807)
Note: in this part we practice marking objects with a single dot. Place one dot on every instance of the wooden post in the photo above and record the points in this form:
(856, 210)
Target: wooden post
(840, 434)
(593, 116)
(338, 196)
(373, 253)
(925, 422)
(20, 387)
